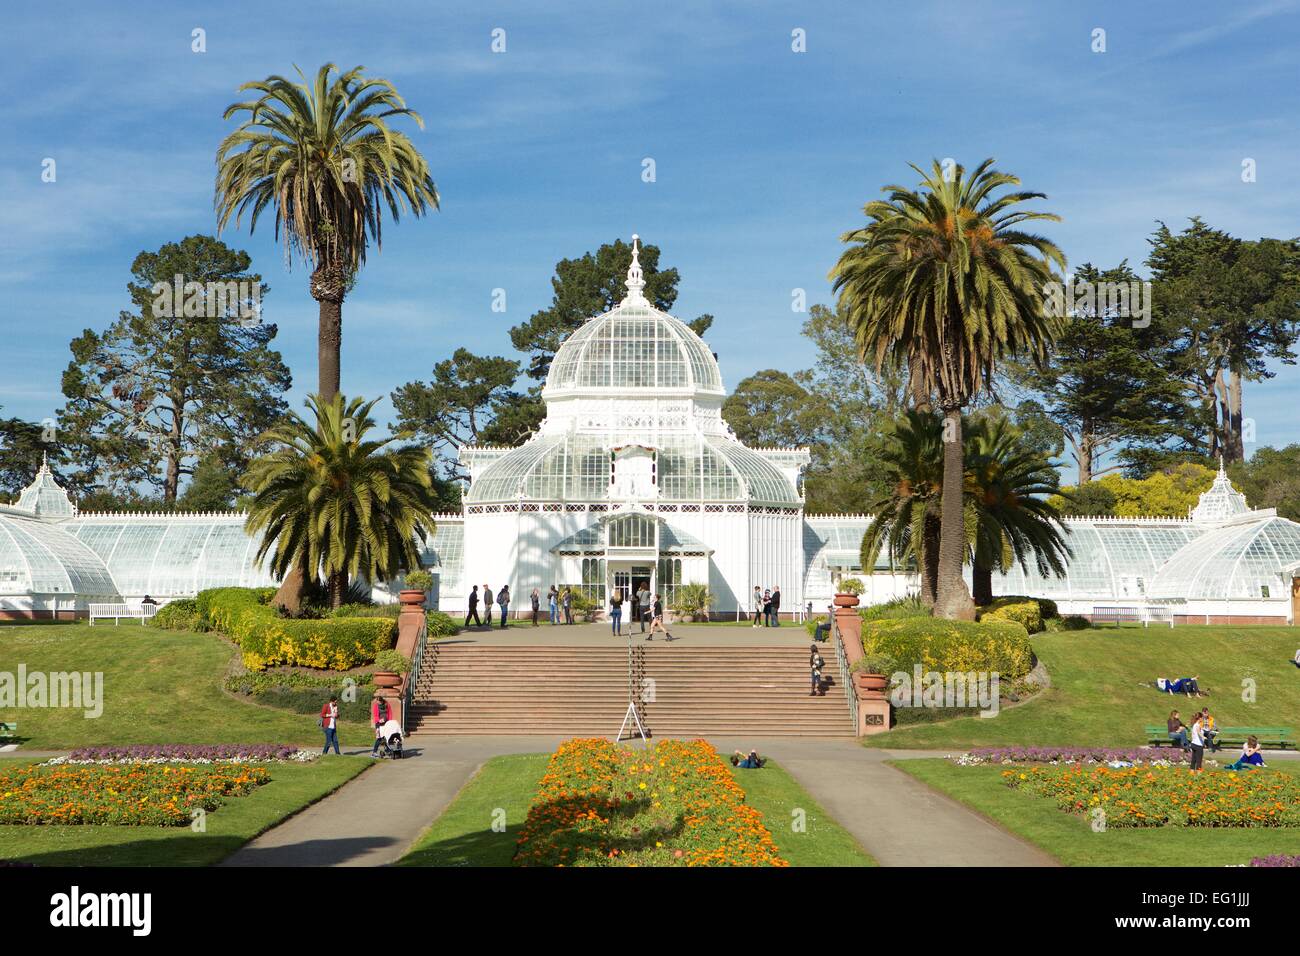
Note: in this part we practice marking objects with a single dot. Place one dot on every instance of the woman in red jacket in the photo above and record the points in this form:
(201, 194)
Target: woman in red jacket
(329, 721)
(379, 715)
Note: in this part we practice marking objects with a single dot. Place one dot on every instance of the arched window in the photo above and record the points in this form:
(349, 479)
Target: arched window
(632, 531)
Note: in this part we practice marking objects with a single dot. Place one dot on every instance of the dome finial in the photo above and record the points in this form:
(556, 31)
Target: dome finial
(635, 281)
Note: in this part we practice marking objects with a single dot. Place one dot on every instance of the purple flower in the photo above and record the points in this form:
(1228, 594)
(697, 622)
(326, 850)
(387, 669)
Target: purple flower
(1277, 859)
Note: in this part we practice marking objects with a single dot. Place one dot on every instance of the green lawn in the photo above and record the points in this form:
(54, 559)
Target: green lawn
(1071, 839)
(292, 787)
(159, 687)
(1096, 698)
(498, 795)
(809, 838)
(503, 789)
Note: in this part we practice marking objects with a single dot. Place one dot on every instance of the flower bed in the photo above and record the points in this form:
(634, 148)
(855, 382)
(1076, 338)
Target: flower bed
(185, 753)
(1277, 859)
(675, 804)
(981, 756)
(135, 795)
(1167, 796)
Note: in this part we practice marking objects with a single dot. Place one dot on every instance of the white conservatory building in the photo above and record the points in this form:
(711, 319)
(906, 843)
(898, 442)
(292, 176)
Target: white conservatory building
(634, 476)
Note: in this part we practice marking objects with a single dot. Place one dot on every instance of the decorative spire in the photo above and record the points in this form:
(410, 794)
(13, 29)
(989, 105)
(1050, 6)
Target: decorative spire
(635, 281)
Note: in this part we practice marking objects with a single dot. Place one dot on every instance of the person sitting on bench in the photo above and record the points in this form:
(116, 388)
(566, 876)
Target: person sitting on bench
(1177, 730)
(1250, 756)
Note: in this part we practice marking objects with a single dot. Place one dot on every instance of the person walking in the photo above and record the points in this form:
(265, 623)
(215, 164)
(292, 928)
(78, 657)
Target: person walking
(1197, 742)
(379, 715)
(503, 600)
(643, 599)
(616, 612)
(657, 621)
(566, 602)
(329, 722)
(553, 603)
(757, 602)
(473, 607)
(487, 605)
(815, 664)
(536, 599)
(776, 606)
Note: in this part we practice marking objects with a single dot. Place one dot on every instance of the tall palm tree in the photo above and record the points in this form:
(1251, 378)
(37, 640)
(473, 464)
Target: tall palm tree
(1008, 484)
(906, 524)
(945, 283)
(325, 158)
(329, 500)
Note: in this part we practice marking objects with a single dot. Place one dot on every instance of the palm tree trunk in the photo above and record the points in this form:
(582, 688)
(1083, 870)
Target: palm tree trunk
(328, 284)
(930, 561)
(289, 596)
(338, 581)
(953, 600)
(982, 579)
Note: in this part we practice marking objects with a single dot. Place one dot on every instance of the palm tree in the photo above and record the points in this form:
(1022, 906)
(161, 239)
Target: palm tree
(328, 500)
(1008, 484)
(944, 283)
(324, 157)
(906, 521)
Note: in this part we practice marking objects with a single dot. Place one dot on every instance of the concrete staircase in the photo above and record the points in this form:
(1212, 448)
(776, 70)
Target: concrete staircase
(583, 691)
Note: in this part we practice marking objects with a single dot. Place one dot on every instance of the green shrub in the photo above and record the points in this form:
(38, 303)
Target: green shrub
(584, 606)
(941, 645)
(1071, 622)
(1023, 611)
(439, 624)
(367, 610)
(851, 586)
(902, 607)
(181, 615)
(394, 661)
(266, 639)
(693, 602)
(304, 693)
(419, 581)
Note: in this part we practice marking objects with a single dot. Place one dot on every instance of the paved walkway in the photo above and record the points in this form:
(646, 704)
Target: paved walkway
(719, 634)
(899, 821)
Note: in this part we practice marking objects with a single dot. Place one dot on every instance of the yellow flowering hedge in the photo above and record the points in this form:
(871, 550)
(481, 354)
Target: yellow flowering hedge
(1024, 612)
(1166, 796)
(673, 804)
(941, 645)
(265, 639)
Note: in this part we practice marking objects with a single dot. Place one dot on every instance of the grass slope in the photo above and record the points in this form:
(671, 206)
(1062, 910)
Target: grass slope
(292, 787)
(464, 835)
(1071, 839)
(159, 687)
(1095, 698)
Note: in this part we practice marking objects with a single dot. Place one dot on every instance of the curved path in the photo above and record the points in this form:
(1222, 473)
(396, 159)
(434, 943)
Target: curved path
(374, 819)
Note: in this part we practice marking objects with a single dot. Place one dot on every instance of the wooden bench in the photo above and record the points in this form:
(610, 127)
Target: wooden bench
(132, 612)
(1279, 738)
(1114, 615)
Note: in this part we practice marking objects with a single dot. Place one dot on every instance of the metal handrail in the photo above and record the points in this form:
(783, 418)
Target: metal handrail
(417, 664)
(845, 677)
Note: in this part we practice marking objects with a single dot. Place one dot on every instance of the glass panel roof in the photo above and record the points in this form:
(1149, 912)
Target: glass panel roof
(1234, 561)
(38, 558)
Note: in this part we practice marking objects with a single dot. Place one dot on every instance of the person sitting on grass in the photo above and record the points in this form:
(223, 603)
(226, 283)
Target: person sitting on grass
(1177, 730)
(1250, 758)
(750, 761)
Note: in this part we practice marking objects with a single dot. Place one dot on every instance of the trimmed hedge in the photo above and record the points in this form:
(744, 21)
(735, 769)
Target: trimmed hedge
(902, 607)
(266, 639)
(181, 615)
(1026, 613)
(438, 624)
(1071, 622)
(941, 645)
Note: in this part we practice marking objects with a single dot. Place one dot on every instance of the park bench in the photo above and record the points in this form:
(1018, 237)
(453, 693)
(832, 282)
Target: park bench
(1280, 738)
(132, 612)
(1133, 615)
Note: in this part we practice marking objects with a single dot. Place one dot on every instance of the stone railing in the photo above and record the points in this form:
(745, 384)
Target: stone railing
(870, 708)
(411, 632)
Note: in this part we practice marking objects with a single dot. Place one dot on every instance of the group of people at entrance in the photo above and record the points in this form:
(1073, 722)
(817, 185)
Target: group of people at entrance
(559, 600)
(644, 607)
(767, 606)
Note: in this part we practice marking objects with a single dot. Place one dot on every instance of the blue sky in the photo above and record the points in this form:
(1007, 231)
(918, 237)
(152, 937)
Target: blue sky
(763, 155)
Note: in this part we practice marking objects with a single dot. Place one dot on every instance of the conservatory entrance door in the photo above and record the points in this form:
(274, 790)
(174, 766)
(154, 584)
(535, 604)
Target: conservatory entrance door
(628, 578)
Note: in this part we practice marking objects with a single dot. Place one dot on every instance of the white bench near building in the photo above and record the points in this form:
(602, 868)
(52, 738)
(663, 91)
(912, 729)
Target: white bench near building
(132, 612)
(1132, 614)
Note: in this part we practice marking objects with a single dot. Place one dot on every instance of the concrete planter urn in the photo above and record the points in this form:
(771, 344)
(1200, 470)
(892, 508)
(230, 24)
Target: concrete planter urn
(411, 598)
(870, 683)
(387, 679)
(847, 600)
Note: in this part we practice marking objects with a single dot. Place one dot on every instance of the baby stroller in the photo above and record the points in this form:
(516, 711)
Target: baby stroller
(390, 736)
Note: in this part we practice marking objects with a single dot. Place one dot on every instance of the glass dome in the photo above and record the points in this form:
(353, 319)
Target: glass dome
(39, 558)
(635, 347)
(1242, 559)
(577, 467)
(44, 497)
